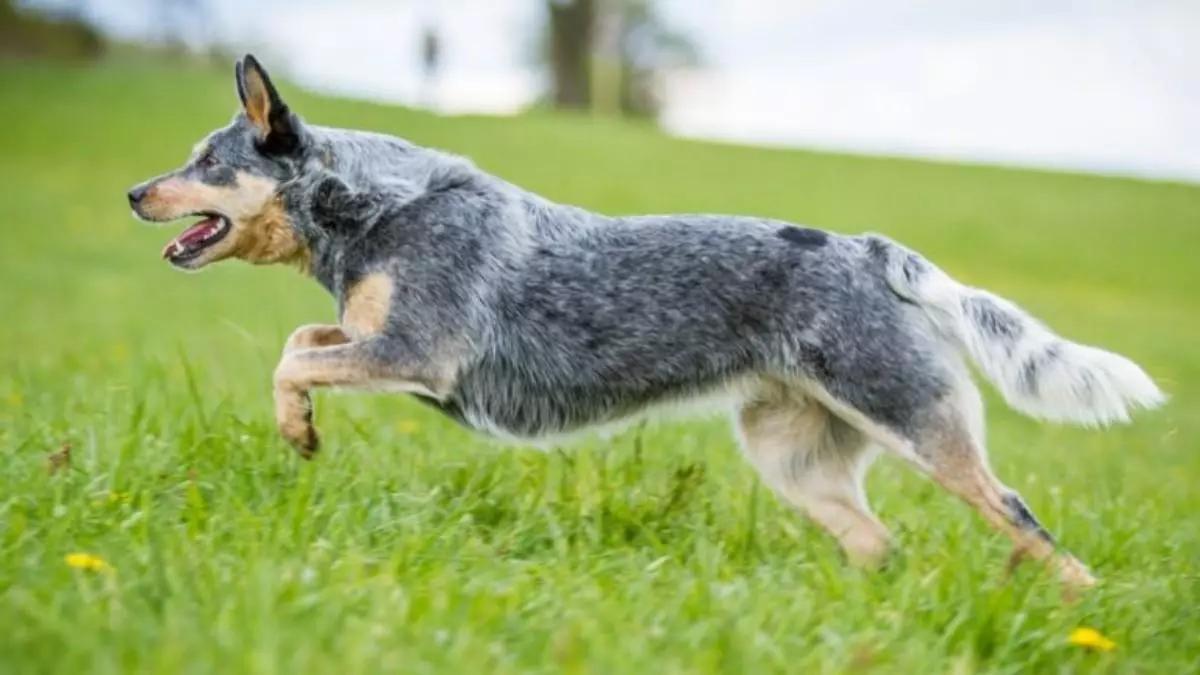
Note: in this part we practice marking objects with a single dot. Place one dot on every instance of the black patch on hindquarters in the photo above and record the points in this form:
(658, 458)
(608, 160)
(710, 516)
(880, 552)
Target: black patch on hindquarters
(803, 236)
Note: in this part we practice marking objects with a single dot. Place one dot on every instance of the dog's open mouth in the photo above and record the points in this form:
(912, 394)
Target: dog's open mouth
(194, 240)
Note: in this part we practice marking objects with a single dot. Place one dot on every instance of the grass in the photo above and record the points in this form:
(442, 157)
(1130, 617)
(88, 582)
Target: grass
(414, 546)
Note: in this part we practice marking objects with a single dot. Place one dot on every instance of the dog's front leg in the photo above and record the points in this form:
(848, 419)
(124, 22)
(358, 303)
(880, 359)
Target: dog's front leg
(315, 335)
(351, 364)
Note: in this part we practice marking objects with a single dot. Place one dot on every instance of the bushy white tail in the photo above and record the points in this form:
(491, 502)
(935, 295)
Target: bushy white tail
(1038, 372)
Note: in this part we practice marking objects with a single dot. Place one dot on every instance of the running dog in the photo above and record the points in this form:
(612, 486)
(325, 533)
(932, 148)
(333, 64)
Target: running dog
(527, 319)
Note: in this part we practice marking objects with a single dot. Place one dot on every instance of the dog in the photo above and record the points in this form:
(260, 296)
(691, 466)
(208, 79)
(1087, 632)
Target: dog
(527, 319)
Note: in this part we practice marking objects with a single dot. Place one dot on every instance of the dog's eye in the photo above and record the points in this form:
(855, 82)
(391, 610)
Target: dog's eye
(207, 160)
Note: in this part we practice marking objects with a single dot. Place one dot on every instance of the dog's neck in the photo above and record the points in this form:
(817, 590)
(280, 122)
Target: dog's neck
(323, 263)
(387, 172)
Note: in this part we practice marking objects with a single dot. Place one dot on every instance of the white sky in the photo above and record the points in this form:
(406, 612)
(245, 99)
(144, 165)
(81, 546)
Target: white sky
(1099, 85)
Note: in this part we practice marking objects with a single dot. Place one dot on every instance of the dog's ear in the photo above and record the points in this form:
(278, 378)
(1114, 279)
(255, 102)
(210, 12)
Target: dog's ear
(277, 128)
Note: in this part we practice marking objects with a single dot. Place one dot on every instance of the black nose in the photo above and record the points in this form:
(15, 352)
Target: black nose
(136, 194)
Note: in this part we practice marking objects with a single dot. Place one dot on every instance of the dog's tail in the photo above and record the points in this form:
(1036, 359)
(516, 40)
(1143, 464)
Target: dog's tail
(1037, 372)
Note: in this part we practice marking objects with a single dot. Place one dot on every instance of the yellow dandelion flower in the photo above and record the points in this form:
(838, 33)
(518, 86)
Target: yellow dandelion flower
(87, 561)
(1092, 639)
(407, 426)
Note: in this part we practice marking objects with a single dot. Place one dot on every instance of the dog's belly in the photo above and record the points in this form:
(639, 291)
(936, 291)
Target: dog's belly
(550, 417)
(498, 401)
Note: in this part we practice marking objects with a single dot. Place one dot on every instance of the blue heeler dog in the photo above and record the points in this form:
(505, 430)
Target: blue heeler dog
(524, 318)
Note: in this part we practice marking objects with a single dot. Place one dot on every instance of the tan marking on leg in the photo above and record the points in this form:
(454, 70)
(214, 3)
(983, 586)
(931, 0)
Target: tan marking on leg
(367, 305)
(342, 365)
(293, 417)
(815, 463)
(295, 377)
(315, 335)
(317, 370)
(957, 462)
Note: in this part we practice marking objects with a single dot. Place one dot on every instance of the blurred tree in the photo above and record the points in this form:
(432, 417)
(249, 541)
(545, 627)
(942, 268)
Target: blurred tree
(63, 34)
(571, 30)
(610, 55)
(647, 48)
(431, 63)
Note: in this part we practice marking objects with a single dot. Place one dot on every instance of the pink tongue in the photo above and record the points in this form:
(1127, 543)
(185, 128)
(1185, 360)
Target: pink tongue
(193, 235)
(198, 232)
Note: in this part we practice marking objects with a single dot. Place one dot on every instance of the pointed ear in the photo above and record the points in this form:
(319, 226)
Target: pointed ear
(266, 111)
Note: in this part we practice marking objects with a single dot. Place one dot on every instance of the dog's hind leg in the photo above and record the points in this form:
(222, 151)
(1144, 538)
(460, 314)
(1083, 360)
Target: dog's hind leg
(945, 440)
(816, 463)
(951, 450)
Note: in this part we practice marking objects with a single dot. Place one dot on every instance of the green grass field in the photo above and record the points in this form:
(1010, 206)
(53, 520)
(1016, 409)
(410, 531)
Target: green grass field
(414, 546)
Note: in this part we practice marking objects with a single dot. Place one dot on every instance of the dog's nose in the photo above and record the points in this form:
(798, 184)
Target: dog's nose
(136, 194)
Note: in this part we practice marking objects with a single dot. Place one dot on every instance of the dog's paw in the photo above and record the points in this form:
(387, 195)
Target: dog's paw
(1075, 576)
(304, 440)
(293, 416)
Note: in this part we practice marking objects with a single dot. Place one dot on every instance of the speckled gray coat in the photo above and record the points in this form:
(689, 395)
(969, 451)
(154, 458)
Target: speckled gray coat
(524, 318)
(575, 319)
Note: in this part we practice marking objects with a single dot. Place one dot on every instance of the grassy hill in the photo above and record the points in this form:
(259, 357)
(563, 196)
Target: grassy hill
(414, 546)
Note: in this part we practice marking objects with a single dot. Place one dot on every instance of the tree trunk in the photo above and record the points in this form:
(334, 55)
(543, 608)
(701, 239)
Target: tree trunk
(572, 27)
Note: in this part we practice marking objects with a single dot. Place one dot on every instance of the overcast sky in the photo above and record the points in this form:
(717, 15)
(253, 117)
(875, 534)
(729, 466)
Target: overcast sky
(1101, 85)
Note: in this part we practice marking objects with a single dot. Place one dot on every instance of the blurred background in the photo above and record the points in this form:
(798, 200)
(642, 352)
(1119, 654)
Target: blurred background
(136, 422)
(1107, 86)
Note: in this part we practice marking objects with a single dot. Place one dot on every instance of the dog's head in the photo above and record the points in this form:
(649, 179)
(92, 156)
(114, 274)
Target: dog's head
(232, 183)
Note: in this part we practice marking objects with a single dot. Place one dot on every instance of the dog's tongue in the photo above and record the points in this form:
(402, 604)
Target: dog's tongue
(192, 236)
